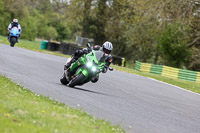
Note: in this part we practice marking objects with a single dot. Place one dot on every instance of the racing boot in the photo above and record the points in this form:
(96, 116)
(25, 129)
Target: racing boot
(66, 66)
(94, 80)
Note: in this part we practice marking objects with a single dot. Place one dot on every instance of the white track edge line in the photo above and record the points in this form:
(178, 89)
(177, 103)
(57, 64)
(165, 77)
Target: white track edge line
(174, 86)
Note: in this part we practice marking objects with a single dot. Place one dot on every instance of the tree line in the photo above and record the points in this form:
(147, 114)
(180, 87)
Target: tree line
(163, 32)
(38, 18)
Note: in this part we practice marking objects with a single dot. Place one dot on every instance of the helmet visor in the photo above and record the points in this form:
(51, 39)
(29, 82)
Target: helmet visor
(106, 51)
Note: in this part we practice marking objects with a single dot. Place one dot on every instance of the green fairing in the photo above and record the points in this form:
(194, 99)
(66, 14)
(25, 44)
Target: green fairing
(84, 71)
(83, 61)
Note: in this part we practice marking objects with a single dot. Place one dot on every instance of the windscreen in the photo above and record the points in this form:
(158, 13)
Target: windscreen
(100, 56)
(14, 30)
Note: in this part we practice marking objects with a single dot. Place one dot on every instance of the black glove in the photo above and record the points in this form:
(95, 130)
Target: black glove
(85, 51)
(89, 49)
(78, 53)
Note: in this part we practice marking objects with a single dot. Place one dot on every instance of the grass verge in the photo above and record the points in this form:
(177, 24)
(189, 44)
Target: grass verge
(192, 86)
(25, 112)
(31, 45)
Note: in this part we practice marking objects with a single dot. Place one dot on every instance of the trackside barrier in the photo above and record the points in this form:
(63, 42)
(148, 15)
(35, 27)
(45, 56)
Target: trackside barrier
(43, 44)
(187, 75)
(156, 69)
(123, 62)
(145, 67)
(53, 46)
(70, 48)
(198, 77)
(117, 60)
(137, 65)
(170, 72)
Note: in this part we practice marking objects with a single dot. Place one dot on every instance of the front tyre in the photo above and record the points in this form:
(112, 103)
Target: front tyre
(76, 80)
(63, 80)
(13, 40)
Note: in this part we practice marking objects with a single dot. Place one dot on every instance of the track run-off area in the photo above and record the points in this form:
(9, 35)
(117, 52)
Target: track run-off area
(138, 104)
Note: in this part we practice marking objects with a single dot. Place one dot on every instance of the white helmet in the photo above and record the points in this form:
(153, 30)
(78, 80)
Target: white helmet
(107, 47)
(15, 20)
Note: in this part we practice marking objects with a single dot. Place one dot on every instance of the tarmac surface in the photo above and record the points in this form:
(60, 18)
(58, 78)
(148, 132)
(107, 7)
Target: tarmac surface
(138, 104)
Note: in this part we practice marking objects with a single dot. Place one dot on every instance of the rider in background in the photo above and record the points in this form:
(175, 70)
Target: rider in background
(106, 48)
(14, 24)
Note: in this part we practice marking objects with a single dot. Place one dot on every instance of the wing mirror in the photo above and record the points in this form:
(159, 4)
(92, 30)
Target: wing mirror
(88, 45)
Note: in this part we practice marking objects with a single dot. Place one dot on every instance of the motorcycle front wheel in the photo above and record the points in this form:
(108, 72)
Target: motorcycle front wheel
(63, 80)
(13, 41)
(76, 80)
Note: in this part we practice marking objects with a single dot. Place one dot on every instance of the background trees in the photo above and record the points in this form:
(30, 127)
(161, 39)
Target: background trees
(4, 18)
(172, 46)
(156, 31)
(38, 18)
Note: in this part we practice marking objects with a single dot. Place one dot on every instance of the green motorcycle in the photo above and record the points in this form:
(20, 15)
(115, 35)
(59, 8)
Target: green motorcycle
(86, 68)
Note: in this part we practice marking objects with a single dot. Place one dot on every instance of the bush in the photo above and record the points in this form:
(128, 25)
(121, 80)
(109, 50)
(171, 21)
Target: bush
(4, 19)
(51, 33)
(63, 30)
(29, 28)
(172, 46)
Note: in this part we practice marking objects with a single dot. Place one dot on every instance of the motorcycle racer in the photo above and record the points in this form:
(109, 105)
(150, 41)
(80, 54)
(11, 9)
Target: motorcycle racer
(106, 48)
(14, 24)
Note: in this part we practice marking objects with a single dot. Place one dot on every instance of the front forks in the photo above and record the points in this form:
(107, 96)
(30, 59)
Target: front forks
(67, 75)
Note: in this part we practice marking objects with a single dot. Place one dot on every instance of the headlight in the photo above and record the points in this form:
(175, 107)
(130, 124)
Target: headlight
(89, 64)
(94, 69)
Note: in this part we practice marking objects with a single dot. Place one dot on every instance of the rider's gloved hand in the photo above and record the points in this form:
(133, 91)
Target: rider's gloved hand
(85, 51)
(79, 52)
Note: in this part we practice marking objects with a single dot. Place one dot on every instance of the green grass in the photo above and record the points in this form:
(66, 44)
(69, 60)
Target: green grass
(22, 111)
(31, 45)
(192, 86)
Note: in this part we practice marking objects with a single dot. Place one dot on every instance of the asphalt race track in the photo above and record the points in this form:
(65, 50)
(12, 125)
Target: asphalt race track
(138, 104)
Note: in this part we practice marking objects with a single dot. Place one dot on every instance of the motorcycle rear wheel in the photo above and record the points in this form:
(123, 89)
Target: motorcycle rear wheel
(76, 80)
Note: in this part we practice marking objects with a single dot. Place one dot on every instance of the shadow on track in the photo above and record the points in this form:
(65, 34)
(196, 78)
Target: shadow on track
(86, 90)
(78, 88)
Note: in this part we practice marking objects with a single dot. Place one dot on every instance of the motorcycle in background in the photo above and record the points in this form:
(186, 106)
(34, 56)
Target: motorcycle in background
(13, 36)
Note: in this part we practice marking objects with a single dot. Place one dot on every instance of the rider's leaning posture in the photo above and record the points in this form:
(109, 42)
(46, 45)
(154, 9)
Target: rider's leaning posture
(14, 24)
(106, 48)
